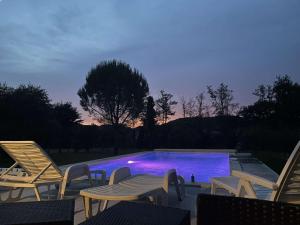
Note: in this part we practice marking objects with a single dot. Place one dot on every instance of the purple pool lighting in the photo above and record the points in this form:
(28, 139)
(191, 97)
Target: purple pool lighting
(202, 165)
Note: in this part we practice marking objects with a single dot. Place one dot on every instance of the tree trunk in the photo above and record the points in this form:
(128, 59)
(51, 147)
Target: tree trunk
(116, 139)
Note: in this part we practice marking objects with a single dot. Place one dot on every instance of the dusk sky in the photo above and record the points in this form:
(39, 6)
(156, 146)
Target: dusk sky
(180, 46)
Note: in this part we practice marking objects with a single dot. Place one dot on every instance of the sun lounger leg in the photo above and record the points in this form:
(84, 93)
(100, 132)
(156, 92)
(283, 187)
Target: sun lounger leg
(37, 193)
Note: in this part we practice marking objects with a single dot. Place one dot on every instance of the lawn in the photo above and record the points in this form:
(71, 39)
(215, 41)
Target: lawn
(63, 158)
(69, 157)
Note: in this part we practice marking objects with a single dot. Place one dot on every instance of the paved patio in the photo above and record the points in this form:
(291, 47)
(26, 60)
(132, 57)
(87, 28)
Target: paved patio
(238, 162)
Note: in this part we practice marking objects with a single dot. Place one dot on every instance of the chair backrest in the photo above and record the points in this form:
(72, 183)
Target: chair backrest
(289, 180)
(32, 158)
(119, 175)
(170, 177)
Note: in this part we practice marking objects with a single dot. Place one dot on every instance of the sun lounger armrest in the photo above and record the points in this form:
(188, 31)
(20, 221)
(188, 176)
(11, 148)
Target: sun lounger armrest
(255, 179)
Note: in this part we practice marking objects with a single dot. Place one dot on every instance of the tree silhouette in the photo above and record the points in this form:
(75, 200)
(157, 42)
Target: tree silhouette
(277, 102)
(149, 119)
(200, 105)
(264, 93)
(164, 106)
(221, 100)
(114, 93)
(66, 114)
(25, 113)
(287, 95)
(190, 108)
(183, 106)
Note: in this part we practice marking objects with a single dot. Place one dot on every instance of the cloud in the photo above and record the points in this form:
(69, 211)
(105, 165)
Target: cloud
(180, 46)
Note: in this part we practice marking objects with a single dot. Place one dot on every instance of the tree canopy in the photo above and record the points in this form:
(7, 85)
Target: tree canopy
(278, 102)
(149, 118)
(222, 100)
(164, 106)
(114, 93)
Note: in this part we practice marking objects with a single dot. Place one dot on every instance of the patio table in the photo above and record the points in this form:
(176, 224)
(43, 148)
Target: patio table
(37, 213)
(132, 213)
(134, 188)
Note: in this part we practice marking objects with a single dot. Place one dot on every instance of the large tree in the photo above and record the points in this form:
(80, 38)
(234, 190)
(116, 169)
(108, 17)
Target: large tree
(25, 113)
(164, 106)
(114, 93)
(278, 102)
(222, 100)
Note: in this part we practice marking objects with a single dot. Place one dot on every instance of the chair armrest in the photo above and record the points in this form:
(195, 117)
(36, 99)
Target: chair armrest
(255, 179)
(227, 210)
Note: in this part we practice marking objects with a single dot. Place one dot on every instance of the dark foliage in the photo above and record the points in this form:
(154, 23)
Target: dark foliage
(270, 124)
(149, 117)
(114, 93)
(26, 113)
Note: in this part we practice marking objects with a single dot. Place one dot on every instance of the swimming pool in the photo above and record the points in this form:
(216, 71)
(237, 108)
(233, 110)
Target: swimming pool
(202, 165)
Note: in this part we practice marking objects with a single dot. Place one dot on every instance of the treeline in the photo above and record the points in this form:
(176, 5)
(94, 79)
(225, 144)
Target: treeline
(117, 96)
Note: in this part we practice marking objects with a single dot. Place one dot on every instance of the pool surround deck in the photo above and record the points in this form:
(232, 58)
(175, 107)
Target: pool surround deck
(242, 162)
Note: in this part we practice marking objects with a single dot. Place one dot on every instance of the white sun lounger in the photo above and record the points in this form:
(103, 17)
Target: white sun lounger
(286, 189)
(124, 187)
(38, 167)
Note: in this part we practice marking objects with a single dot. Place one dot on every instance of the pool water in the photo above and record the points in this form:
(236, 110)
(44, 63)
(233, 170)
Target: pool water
(202, 165)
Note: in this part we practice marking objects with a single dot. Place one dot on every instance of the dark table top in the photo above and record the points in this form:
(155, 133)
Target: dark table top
(37, 213)
(131, 213)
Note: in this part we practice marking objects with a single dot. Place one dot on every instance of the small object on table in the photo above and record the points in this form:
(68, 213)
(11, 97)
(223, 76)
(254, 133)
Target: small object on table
(132, 213)
(38, 213)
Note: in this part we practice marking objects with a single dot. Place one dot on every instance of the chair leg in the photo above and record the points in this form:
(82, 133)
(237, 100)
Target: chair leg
(48, 190)
(10, 196)
(20, 193)
(105, 204)
(87, 203)
(99, 206)
(213, 188)
(245, 189)
(62, 189)
(181, 184)
(37, 193)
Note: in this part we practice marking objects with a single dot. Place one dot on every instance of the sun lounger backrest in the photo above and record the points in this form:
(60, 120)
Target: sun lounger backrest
(289, 180)
(31, 157)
